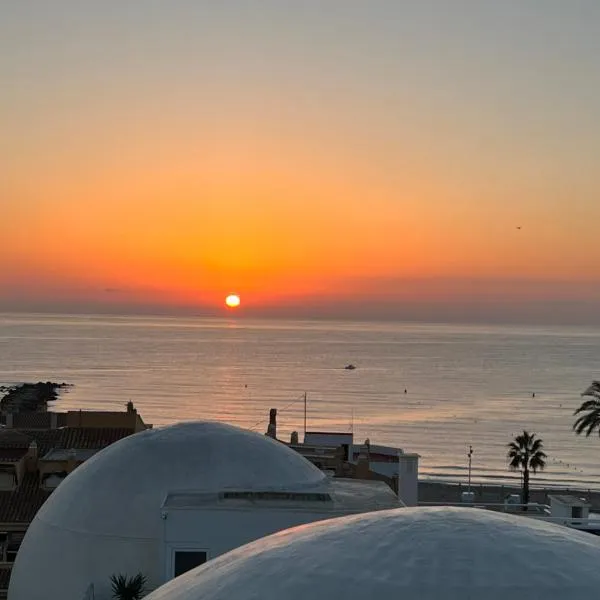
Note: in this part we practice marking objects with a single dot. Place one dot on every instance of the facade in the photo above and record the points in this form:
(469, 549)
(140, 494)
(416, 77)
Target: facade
(413, 553)
(569, 508)
(199, 526)
(36, 458)
(162, 501)
(365, 461)
(337, 454)
(47, 420)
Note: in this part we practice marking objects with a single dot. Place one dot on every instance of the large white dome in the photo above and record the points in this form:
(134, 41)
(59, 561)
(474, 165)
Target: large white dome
(113, 500)
(408, 553)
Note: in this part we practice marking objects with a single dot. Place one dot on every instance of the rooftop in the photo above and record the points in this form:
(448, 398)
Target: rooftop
(35, 419)
(65, 437)
(569, 500)
(79, 454)
(335, 495)
(412, 553)
(12, 454)
(21, 504)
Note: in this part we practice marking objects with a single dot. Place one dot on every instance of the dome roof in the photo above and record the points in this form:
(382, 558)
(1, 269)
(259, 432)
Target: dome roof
(410, 553)
(143, 467)
(117, 494)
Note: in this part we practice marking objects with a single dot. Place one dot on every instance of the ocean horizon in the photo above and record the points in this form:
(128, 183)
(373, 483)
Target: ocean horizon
(430, 388)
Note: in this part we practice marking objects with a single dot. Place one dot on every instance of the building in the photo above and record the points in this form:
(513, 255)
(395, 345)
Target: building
(165, 500)
(365, 461)
(413, 553)
(46, 420)
(34, 459)
(569, 508)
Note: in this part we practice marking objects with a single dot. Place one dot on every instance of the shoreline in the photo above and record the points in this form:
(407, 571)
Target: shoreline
(446, 492)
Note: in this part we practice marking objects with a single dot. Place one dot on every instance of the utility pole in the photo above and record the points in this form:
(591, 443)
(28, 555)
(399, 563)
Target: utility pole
(470, 455)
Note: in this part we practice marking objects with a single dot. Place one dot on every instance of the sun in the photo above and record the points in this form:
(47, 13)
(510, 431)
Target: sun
(232, 301)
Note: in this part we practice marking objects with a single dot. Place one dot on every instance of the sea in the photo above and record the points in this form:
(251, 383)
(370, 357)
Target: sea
(433, 389)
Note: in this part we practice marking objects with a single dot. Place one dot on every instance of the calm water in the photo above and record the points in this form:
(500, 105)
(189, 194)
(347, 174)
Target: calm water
(465, 384)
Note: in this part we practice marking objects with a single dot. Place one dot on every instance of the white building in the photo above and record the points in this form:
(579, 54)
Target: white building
(411, 553)
(569, 508)
(164, 500)
(385, 460)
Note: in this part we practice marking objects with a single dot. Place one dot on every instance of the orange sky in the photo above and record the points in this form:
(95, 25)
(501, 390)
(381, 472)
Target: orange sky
(171, 173)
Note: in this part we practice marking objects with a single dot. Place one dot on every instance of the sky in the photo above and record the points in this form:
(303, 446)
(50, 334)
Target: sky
(400, 159)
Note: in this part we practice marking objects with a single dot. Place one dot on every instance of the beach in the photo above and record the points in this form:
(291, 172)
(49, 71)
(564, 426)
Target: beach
(433, 492)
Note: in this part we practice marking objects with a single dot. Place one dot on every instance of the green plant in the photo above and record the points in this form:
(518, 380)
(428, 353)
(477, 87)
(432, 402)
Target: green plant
(128, 588)
(526, 453)
(591, 419)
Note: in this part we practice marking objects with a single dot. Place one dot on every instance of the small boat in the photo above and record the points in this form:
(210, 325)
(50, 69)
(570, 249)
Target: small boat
(350, 367)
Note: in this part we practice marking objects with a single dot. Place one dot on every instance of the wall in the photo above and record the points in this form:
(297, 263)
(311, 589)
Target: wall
(215, 530)
(389, 469)
(84, 418)
(565, 511)
(328, 439)
(220, 530)
(7, 480)
(92, 558)
(408, 481)
(57, 466)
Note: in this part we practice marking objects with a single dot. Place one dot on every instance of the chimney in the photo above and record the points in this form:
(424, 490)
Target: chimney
(31, 458)
(9, 420)
(272, 428)
(53, 420)
(294, 438)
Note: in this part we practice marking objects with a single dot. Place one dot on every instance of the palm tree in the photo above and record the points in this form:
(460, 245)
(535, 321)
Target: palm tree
(128, 588)
(589, 411)
(526, 453)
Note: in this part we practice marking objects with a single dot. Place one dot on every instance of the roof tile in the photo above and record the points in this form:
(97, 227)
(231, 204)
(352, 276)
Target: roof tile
(20, 505)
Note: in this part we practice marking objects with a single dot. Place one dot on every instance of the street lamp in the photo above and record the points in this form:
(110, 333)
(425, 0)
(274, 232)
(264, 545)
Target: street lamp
(470, 455)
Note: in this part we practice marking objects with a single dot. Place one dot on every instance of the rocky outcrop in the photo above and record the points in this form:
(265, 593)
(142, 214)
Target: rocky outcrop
(29, 396)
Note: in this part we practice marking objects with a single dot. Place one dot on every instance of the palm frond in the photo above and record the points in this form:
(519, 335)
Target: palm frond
(537, 462)
(593, 390)
(588, 405)
(128, 588)
(588, 411)
(588, 422)
(536, 445)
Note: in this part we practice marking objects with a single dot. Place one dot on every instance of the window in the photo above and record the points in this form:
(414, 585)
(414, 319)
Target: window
(294, 496)
(11, 552)
(185, 560)
(576, 512)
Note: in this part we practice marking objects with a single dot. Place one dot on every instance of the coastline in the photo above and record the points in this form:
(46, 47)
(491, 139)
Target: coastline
(30, 396)
(446, 492)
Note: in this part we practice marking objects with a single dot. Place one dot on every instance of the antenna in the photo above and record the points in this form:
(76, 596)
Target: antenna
(305, 416)
(352, 422)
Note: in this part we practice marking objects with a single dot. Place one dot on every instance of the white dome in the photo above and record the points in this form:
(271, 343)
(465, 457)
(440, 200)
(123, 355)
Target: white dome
(408, 553)
(112, 500)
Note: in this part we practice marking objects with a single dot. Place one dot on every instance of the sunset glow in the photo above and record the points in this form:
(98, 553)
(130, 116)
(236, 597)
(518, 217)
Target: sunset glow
(385, 167)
